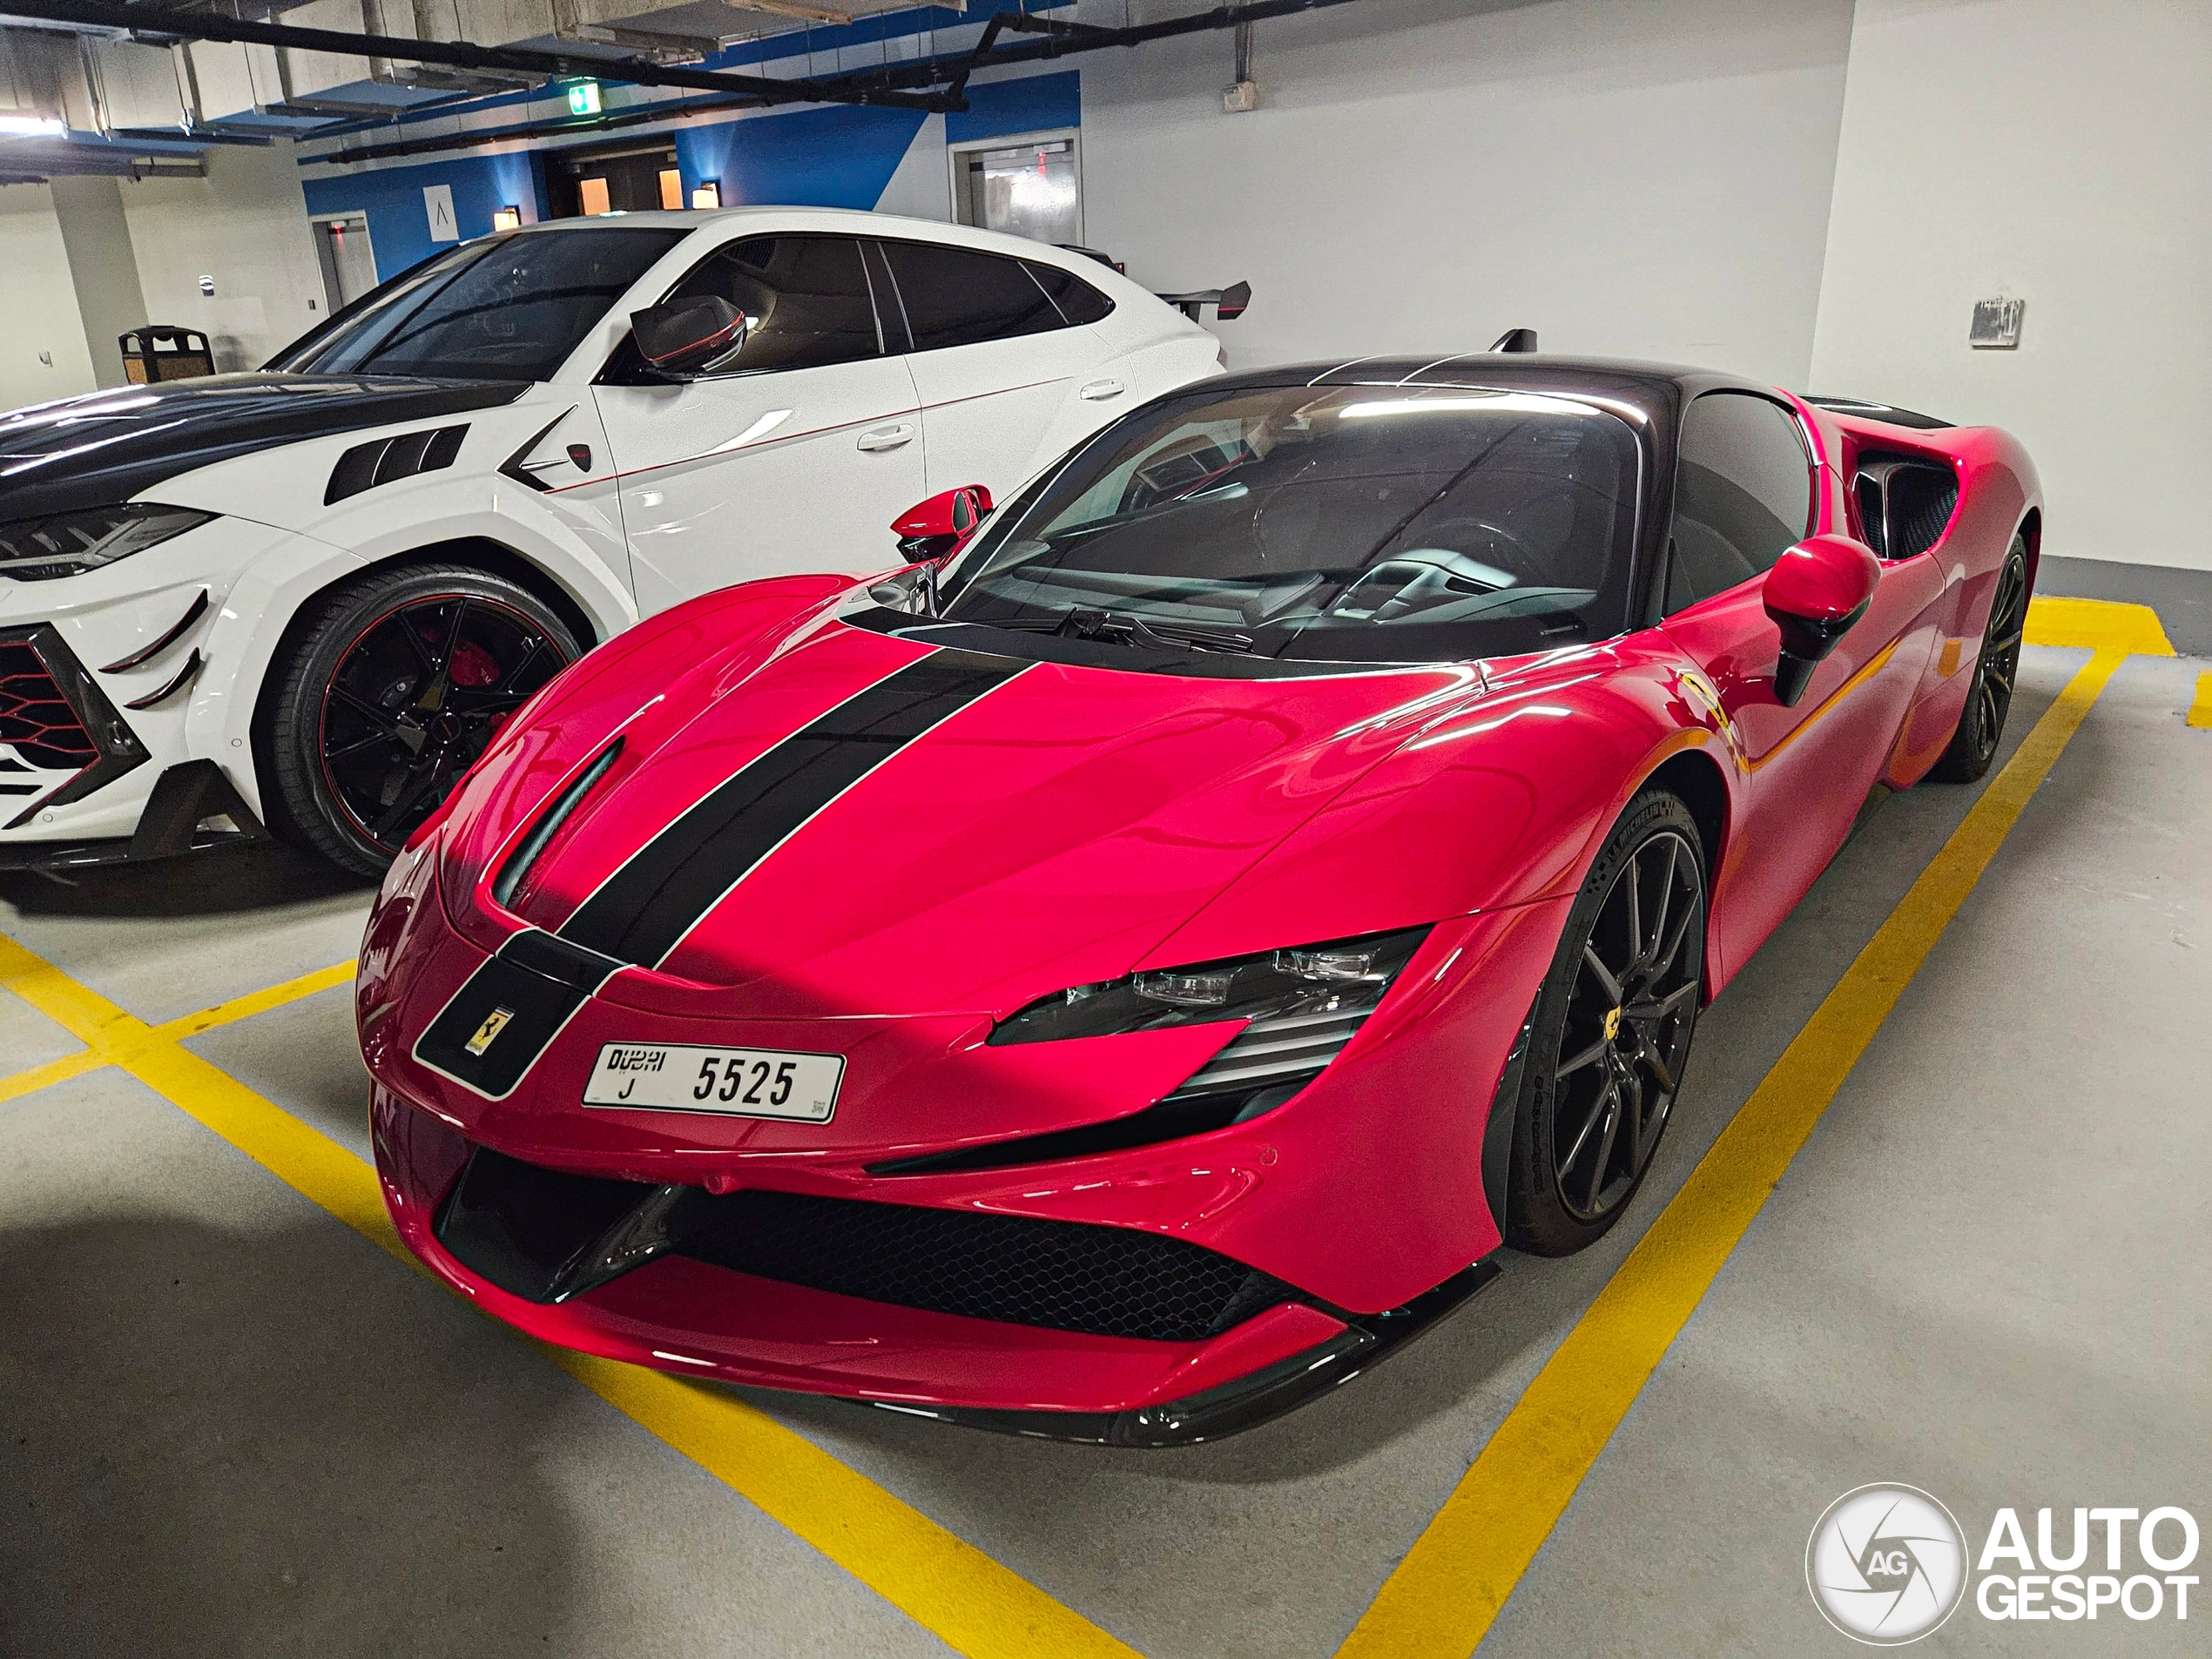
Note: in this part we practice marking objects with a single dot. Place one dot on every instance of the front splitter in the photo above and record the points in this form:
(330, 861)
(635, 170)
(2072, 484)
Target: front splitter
(1232, 1408)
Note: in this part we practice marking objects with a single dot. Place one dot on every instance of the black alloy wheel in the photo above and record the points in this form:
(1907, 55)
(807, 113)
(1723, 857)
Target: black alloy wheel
(1989, 699)
(1610, 1035)
(394, 693)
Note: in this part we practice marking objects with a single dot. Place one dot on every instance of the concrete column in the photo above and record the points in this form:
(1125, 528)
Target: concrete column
(103, 266)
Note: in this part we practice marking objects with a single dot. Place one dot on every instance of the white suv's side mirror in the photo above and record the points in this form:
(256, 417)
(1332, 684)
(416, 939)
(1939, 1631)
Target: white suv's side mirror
(694, 336)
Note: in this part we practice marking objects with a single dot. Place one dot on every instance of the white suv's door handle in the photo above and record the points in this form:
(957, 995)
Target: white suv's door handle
(1099, 390)
(888, 437)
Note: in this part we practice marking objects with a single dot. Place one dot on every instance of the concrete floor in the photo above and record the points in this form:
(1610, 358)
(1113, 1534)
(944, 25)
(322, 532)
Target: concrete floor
(233, 1427)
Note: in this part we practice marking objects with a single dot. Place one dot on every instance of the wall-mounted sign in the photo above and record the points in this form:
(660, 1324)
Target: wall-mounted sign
(583, 99)
(1996, 326)
(207, 286)
(437, 202)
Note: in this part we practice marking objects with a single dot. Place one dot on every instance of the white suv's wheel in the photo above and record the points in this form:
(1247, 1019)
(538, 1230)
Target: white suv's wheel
(390, 693)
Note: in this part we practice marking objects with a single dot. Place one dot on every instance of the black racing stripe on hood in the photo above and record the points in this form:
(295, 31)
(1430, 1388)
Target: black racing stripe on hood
(520, 999)
(512, 1006)
(641, 913)
(107, 447)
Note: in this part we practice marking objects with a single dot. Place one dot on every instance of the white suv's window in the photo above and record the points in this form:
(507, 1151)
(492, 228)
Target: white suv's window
(954, 296)
(807, 299)
(508, 308)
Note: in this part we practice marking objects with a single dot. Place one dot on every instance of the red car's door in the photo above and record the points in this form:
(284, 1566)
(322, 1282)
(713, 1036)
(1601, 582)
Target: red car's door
(1746, 490)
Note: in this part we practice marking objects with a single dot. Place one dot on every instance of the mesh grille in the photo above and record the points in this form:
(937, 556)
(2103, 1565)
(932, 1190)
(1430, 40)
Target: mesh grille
(34, 715)
(1108, 1281)
(1921, 500)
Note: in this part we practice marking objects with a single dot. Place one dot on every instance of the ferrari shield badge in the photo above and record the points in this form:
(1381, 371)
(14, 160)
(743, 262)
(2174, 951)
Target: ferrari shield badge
(494, 1022)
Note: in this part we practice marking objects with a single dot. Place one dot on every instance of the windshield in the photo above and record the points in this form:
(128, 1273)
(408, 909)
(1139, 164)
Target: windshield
(505, 308)
(1358, 523)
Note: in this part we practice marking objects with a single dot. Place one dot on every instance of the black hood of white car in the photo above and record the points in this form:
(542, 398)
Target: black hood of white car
(106, 447)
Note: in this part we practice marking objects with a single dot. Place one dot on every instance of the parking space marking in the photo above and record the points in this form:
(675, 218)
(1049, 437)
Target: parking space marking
(65, 1002)
(938, 1579)
(1442, 1598)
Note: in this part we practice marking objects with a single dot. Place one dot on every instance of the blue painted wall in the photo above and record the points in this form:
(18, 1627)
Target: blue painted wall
(398, 225)
(1034, 104)
(839, 156)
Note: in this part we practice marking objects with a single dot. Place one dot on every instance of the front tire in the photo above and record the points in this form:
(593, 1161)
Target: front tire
(1611, 1031)
(393, 687)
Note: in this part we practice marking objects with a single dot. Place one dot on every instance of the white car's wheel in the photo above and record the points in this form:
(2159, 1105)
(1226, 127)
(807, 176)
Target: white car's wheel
(388, 693)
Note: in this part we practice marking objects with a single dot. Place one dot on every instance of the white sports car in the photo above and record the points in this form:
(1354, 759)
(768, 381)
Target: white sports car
(309, 594)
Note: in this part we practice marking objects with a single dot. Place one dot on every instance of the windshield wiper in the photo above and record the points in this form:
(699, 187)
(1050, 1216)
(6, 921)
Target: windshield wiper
(1093, 622)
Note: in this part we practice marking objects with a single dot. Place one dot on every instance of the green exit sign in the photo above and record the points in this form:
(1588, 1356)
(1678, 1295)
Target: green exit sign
(583, 99)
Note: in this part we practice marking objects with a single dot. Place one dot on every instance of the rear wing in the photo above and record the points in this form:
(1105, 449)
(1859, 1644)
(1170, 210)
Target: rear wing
(1228, 303)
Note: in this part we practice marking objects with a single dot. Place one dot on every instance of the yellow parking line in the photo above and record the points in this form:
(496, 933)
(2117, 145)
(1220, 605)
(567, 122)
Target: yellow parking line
(54, 1071)
(942, 1582)
(85, 1014)
(2097, 624)
(938, 1579)
(76, 1009)
(1441, 1599)
(244, 1007)
(2201, 710)
(1444, 1596)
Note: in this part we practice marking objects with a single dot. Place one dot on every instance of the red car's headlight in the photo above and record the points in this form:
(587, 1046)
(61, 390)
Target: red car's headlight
(1345, 976)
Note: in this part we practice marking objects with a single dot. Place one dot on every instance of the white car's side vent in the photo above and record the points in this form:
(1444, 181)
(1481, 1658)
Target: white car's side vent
(388, 460)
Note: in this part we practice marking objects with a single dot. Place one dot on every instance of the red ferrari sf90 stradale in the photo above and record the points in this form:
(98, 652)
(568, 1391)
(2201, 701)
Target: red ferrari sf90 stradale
(1126, 973)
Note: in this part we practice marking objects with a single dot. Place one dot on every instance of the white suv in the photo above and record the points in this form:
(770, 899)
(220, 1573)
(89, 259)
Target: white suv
(311, 593)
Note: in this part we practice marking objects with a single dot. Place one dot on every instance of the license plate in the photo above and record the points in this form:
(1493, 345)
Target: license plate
(732, 1082)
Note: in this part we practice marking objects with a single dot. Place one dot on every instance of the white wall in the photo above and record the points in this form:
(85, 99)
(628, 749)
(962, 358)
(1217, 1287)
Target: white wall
(245, 225)
(922, 186)
(2060, 153)
(42, 315)
(1648, 181)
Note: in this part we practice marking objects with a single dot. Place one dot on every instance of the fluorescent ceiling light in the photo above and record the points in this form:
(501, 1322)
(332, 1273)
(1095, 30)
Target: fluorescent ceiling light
(16, 125)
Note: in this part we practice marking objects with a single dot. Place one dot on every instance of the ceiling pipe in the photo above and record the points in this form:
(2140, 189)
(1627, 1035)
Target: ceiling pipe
(1059, 40)
(948, 70)
(163, 21)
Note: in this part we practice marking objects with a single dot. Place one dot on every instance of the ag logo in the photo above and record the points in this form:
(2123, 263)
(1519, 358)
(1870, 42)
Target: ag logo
(1887, 1565)
(494, 1022)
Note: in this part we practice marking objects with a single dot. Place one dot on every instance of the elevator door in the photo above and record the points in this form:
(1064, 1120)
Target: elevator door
(349, 263)
(1032, 187)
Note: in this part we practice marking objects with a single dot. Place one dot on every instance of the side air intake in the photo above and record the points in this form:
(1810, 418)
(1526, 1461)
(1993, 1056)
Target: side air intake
(1905, 503)
(386, 461)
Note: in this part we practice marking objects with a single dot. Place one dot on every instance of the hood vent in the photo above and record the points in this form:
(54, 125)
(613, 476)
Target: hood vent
(387, 460)
(548, 825)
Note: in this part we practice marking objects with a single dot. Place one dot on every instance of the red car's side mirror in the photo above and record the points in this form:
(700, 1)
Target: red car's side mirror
(1814, 593)
(935, 529)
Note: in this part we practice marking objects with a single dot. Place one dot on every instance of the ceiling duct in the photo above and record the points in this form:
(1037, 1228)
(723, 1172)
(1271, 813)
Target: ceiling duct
(584, 20)
(533, 63)
(421, 20)
(258, 70)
